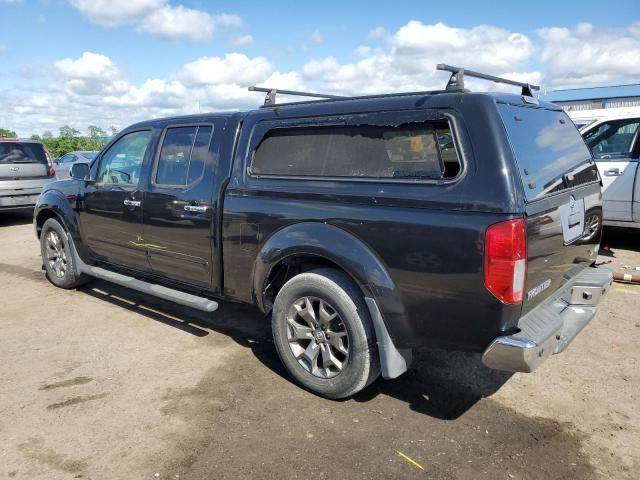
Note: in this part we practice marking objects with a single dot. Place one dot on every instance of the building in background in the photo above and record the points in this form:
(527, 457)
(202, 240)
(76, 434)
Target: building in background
(584, 105)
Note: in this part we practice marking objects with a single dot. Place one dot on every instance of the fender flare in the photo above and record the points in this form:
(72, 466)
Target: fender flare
(358, 261)
(54, 201)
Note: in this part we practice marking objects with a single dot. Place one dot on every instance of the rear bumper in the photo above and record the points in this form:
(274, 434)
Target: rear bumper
(14, 200)
(551, 326)
(18, 194)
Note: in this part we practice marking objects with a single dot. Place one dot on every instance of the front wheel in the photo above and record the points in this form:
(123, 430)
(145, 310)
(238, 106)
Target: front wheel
(324, 335)
(55, 246)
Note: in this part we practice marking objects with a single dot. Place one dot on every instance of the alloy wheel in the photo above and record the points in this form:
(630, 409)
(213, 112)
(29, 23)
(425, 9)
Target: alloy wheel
(591, 226)
(56, 255)
(317, 337)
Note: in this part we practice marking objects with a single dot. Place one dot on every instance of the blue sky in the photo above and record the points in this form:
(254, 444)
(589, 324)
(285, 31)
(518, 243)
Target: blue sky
(115, 61)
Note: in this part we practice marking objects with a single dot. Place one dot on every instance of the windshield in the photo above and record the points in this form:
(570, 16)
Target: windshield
(16, 152)
(549, 150)
(89, 155)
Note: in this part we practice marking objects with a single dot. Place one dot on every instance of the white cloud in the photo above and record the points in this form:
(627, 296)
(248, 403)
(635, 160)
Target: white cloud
(232, 68)
(484, 47)
(91, 89)
(362, 51)
(414, 50)
(241, 40)
(585, 56)
(176, 22)
(113, 13)
(89, 65)
(157, 17)
(3, 48)
(317, 38)
(378, 32)
(228, 20)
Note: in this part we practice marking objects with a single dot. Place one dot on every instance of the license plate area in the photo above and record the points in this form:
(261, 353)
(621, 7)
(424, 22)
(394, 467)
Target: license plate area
(572, 219)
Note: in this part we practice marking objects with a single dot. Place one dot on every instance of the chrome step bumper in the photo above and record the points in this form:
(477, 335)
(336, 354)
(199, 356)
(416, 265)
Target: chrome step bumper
(551, 326)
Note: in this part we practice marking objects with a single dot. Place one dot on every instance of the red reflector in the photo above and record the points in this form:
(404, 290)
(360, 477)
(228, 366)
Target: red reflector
(505, 260)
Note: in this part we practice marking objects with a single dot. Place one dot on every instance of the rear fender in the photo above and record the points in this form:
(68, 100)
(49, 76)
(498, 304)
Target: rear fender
(357, 260)
(338, 246)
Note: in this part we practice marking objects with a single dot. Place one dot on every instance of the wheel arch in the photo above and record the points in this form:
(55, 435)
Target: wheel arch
(53, 205)
(305, 245)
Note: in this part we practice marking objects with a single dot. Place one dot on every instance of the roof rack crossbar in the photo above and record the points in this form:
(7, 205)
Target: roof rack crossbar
(456, 81)
(270, 98)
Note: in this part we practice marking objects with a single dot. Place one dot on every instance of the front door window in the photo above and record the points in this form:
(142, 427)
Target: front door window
(122, 163)
(612, 139)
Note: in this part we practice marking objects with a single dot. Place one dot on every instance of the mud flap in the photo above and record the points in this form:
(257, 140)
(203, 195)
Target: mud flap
(394, 362)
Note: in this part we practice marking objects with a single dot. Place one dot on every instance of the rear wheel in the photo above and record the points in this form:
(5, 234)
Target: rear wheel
(55, 246)
(324, 335)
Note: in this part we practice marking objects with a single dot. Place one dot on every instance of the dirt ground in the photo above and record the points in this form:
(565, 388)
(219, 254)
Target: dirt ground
(105, 383)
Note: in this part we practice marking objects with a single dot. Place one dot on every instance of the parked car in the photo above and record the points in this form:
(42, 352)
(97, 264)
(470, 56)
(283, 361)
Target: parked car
(64, 163)
(364, 226)
(25, 167)
(615, 146)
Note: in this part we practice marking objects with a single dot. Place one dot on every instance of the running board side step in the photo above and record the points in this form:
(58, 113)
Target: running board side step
(176, 296)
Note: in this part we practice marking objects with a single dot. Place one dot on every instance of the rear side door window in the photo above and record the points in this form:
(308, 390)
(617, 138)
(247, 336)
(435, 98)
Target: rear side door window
(182, 156)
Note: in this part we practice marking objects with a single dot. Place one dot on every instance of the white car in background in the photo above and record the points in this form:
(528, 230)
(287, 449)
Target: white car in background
(615, 144)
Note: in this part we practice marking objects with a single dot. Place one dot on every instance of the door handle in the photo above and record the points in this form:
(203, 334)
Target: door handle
(612, 172)
(196, 208)
(132, 203)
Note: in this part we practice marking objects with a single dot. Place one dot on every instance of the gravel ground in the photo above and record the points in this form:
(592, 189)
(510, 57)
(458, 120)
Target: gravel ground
(105, 383)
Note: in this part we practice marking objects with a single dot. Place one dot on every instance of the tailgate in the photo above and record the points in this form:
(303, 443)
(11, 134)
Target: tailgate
(22, 160)
(561, 185)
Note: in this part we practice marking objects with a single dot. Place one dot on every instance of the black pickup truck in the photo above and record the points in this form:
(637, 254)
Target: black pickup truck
(365, 226)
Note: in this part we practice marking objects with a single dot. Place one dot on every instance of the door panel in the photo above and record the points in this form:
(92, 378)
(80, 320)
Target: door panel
(180, 212)
(636, 198)
(111, 216)
(612, 145)
(618, 179)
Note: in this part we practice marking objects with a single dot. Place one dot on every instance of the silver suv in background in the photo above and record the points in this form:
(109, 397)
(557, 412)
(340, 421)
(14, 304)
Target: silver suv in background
(65, 162)
(25, 167)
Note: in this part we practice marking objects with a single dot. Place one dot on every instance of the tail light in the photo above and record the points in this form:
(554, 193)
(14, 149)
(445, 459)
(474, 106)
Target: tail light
(505, 260)
(52, 168)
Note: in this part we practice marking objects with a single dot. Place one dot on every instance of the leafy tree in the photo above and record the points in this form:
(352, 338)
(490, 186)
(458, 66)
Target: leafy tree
(36, 137)
(113, 130)
(69, 132)
(96, 133)
(70, 140)
(5, 132)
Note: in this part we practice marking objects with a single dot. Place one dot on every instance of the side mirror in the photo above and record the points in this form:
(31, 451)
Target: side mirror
(80, 171)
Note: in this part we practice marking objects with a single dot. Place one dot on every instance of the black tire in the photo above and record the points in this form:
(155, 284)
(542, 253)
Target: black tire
(57, 258)
(342, 297)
